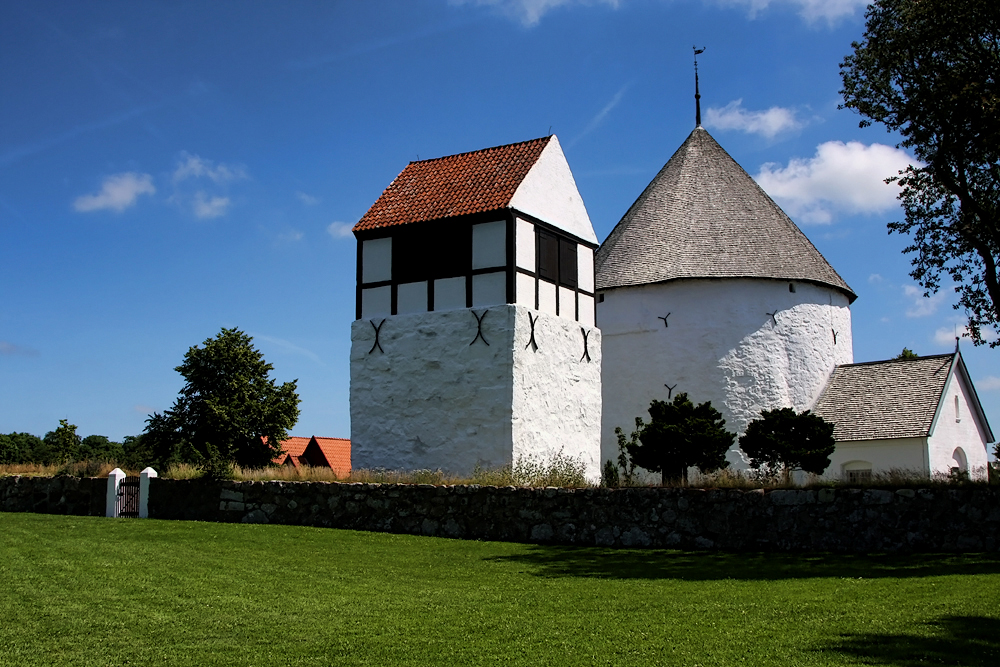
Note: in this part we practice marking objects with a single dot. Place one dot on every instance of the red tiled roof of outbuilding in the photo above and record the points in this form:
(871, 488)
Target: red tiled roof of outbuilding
(334, 453)
(444, 187)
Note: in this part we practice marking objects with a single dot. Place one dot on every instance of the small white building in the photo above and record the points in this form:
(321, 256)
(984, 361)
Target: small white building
(475, 341)
(705, 286)
(920, 416)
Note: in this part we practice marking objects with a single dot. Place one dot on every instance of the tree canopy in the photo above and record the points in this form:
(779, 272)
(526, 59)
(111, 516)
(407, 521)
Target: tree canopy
(680, 435)
(928, 69)
(907, 353)
(228, 409)
(790, 441)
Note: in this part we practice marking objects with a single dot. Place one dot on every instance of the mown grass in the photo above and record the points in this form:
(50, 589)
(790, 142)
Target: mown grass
(92, 591)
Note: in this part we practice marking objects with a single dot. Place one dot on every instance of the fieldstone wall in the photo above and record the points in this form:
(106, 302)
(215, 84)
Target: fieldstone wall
(839, 520)
(54, 495)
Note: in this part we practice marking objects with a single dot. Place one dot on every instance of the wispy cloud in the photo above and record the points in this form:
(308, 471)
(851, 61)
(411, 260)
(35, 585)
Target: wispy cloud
(988, 383)
(601, 115)
(840, 178)
(291, 236)
(340, 230)
(194, 166)
(769, 123)
(308, 200)
(922, 306)
(530, 12)
(830, 11)
(945, 336)
(874, 279)
(288, 346)
(10, 349)
(143, 409)
(207, 207)
(118, 192)
(13, 155)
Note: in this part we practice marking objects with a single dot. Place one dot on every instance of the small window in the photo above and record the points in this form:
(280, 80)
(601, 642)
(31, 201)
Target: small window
(548, 256)
(600, 298)
(958, 415)
(858, 476)
(567, 263)
(791, 287)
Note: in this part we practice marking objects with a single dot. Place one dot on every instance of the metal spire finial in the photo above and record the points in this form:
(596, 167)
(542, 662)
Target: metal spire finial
(697, 93)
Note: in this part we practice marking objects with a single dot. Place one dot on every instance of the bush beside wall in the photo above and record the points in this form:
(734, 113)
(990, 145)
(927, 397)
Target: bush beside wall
(959, 519)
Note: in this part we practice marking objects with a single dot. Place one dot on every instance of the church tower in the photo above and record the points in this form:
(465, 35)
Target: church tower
(475, 341)
(705, 286)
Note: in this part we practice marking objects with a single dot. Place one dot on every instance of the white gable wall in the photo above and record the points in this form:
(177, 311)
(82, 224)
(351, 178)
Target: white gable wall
(962, 430)
(908, 455)
(549, 193)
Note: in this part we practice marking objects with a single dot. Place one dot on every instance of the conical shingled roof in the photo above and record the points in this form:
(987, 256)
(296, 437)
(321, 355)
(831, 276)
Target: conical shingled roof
(703, 216)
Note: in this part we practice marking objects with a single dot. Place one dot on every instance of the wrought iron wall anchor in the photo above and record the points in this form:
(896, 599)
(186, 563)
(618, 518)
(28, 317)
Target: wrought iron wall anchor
(665, 325)
(773, 319)
(479, 327)
(378, 330)
(670, 390)
(834, 336)
(586, 352)
(531, 340)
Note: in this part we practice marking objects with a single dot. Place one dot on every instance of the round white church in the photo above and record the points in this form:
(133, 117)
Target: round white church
(705, 286)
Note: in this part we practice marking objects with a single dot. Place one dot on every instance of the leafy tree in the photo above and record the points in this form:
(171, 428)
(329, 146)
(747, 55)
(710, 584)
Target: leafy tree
(788, 440)
(679, 435)
(907, 353)
(19, 447)
(928, 69)
(229, 408)
(62, 444)
(100, 448)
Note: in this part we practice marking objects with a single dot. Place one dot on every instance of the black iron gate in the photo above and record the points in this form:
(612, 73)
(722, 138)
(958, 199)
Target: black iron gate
(128, 498)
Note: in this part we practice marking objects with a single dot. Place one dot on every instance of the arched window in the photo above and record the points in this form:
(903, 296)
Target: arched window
(960, 460)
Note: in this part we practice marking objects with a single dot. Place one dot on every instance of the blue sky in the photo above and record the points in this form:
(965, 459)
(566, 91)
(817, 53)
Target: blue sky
(171, 168)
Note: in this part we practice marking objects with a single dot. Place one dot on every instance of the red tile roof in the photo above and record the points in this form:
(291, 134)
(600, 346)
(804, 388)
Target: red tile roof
(475, 182)
(332, 453)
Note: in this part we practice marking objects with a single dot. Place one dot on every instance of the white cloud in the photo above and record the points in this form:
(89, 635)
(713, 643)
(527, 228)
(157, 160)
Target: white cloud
(118, 192)
(194, 166)
(530, 12)
(340, 230)
(945, 336)
(922, 305)
(601, 115)
(847, 178)
(988, 383)
(291, 236)
(308, 200)
(291, 347)
(874, 278)
(16, 350)
(765, 123)
(830, 11)
(209, 207)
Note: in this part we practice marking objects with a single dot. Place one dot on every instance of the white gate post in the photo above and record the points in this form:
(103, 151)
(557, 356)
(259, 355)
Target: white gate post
(144, 478)
(115, 478)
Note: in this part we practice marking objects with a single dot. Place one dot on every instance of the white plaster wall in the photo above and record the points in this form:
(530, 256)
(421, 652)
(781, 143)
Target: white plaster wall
(567, 303)
(947, 434)
(525, 288)
(489, 245)
(719, 345)
(547, 297)
(489, 289)
(411, 297)
(524, 245)
(902, 454)
(585, 268)
(549, 193)
(586, 310)
(376, 260)
(557, 392)
(449, 293)
(432, 400)
(376, 301)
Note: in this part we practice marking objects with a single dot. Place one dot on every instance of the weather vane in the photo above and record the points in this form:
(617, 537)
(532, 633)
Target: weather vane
(697, 94)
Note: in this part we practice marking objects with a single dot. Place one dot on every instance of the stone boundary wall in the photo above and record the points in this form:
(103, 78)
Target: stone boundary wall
(838, 520)
(54, 495)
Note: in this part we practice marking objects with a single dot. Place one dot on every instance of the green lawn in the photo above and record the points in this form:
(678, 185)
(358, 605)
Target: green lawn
(92, 591)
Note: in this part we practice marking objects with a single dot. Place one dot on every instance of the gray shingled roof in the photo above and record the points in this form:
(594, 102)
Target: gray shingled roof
(884, 399)
(703, 216)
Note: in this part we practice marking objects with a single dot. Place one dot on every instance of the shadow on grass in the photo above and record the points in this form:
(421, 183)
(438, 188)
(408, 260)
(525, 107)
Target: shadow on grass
(963, 641)
(561, 561)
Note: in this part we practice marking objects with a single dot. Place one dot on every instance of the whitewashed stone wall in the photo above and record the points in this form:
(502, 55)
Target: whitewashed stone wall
(432, 399)
(719, 344)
